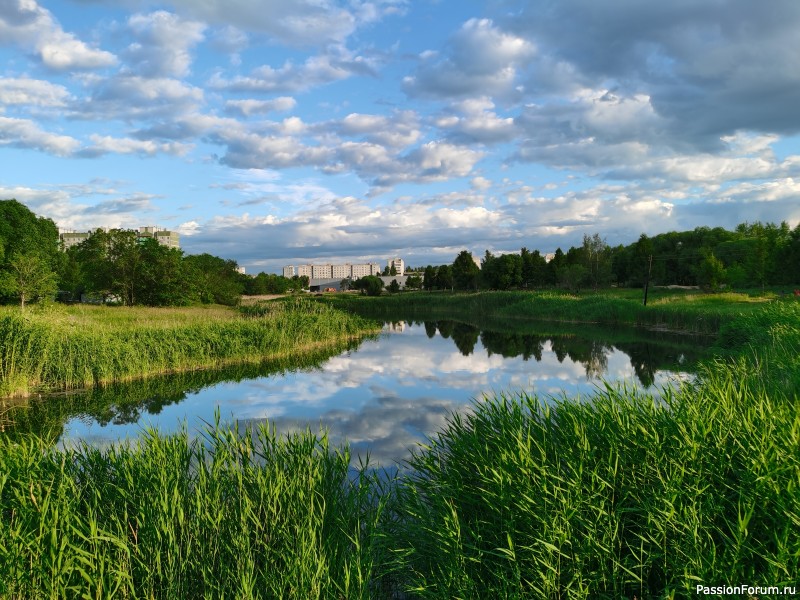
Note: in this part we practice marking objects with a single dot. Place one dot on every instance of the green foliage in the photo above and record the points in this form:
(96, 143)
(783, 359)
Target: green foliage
(28, 253)
(28, 277)
(216, 280)
(224, 516)
(371, 285)
(620, 495)
(465, 273)
(393, 287)
(75, 347)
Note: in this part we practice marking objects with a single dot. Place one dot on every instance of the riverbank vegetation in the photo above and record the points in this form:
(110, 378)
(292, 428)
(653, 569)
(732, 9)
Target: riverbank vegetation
(620, 495)
(69, 347)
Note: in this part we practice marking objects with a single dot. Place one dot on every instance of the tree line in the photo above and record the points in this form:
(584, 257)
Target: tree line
(752, 255)
(121, 266)
(115, 266)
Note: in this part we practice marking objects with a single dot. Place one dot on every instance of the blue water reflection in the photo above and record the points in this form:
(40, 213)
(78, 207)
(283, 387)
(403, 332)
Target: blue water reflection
(392, 392)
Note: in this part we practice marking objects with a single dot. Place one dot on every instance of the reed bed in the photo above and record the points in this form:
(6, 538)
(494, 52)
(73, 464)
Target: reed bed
(223, 516)
(75, 348)
(617, 495)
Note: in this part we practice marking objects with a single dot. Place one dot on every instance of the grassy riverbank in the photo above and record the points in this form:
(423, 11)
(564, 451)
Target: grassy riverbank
(62, 348)
(620, 495)
(686, 312)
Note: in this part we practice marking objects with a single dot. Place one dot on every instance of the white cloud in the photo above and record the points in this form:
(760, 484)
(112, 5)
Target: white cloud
(163, 44)
(25, 22)
(480, 57)
(250, 107)
(22, 133)
(32, 92)
(336, 64)
(107, 144)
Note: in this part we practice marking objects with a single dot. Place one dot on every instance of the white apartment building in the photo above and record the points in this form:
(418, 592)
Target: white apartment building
(398, 264)
(363, 270)
(165, 237)
(341, 271)
(321, 271)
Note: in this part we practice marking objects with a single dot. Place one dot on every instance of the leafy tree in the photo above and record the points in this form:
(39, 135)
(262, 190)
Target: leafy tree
(711, 273)
(429, 278)
(371, 285)
(465, 272)
(216, 279)
(28, 277)
(597, 257)
(393, 286)
(573, 277)
(444, 277)
(413, 282)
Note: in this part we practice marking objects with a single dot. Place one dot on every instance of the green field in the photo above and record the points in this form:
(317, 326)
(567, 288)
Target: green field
(620, 495)
(62, 348)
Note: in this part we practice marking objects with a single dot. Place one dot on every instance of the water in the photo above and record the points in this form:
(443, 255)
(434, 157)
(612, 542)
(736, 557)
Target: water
(384, 396)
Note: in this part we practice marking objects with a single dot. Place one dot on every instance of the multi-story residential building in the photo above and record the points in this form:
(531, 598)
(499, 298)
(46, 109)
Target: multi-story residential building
(341, 271)
(72, 238)
(398, 264)
(170, 239)
(321, 271)
(363, 270)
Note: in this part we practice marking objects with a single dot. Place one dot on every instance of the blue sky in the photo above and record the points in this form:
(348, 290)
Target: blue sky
(278, 132)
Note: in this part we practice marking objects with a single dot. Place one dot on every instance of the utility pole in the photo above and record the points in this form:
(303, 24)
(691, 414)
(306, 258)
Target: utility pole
(647, 279)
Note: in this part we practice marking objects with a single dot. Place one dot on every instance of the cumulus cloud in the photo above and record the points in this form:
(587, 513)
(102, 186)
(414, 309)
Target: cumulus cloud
(336, 64)
(108, 145)
(128, 97)
(22, 133)
(479, 57)
(250, 107)
(32, 92)
(26, 23)
(709, 69)
(163, 44)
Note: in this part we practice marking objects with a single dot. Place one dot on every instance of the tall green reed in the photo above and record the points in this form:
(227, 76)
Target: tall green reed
(221, 516)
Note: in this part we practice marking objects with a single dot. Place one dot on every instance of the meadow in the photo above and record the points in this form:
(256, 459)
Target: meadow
(617, 495)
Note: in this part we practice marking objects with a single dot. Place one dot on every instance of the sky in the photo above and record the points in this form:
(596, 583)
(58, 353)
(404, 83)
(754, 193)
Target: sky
(277, 132)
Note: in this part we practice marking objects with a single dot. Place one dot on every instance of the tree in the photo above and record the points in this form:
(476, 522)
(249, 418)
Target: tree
(28, 277)
(216, 279)
(393, 287)
(413, 282)
(429, 278)
(711, 273)
(444, 277)
(371, 285)
(597, 260)
(465, 272)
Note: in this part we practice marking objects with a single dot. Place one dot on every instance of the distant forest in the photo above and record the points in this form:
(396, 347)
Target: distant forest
(752, 255)
(119, 266)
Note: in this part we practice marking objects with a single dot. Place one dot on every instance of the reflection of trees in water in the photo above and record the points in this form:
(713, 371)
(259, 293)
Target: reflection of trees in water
(592, 350)
(430, 329)
(591, 353)
(465, 337)
(512, 345)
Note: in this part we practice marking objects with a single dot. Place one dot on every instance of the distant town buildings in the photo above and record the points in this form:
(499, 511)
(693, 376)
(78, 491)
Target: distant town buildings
(329, 271)
(398, 265)
(168, 238)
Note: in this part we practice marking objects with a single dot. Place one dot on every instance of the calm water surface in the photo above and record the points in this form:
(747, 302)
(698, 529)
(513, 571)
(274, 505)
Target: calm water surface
(389, 393)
